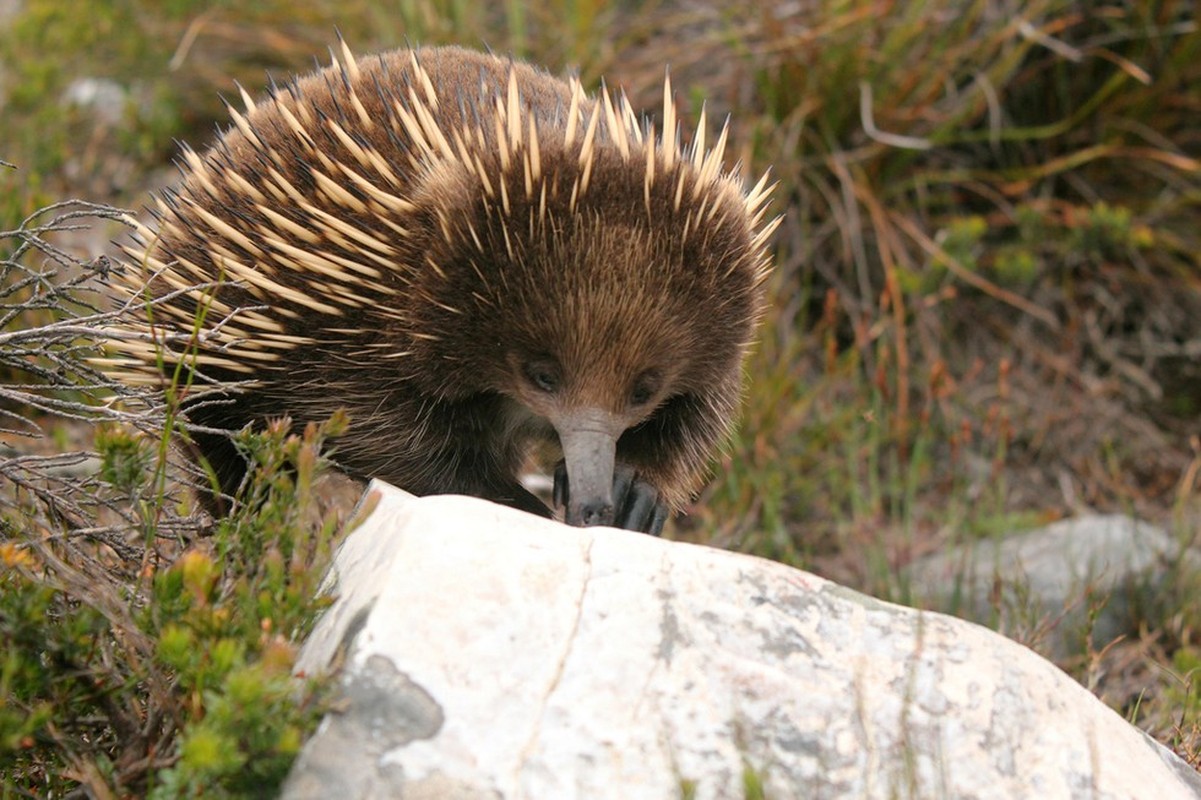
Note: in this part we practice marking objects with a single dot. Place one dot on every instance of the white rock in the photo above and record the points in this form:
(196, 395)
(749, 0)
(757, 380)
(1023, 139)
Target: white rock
(490, 654)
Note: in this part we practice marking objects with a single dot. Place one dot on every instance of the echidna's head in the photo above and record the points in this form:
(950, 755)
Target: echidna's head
(592, 283)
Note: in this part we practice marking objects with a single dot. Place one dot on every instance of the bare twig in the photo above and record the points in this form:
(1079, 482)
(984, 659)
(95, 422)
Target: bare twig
(56, 320)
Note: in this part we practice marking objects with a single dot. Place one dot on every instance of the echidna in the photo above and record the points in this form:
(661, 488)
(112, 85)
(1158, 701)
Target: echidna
(470, 256)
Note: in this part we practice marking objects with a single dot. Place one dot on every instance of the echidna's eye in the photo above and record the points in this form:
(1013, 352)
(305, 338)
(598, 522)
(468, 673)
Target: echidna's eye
(645, 387)
(543, 375)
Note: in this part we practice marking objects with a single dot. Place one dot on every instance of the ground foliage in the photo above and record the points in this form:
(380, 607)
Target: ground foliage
(985, 316)
(148, 650)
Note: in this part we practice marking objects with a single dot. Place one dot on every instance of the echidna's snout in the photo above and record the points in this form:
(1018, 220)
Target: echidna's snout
(589, 441)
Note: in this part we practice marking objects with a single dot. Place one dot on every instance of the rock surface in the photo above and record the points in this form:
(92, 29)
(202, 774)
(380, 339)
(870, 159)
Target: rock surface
(1055, 573)
(486, 653)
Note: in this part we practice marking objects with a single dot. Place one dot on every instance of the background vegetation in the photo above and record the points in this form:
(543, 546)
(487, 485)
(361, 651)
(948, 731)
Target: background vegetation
(986, 316)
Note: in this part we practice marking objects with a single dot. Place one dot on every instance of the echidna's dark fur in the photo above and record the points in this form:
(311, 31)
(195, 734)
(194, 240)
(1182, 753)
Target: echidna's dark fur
(468, 255)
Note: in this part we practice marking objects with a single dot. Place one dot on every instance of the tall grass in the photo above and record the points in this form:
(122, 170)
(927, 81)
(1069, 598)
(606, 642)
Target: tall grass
(990, 231)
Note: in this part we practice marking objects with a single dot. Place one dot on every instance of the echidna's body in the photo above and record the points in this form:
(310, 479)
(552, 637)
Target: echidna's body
(468, 255)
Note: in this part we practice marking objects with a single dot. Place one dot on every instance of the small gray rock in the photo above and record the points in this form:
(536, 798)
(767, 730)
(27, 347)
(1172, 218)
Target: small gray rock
(104, 98)
(1054, 572)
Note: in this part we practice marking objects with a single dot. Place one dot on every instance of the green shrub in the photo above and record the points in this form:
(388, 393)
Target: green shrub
(147, 649)
(171, 676)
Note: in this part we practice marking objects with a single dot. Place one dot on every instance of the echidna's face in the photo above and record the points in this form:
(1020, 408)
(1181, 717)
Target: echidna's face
(590, 403)
(601, 325)
(589, 407)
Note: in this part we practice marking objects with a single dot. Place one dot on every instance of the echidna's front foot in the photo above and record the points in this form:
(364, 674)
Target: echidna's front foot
(636, 503)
